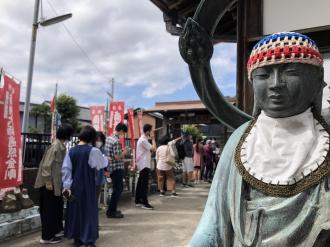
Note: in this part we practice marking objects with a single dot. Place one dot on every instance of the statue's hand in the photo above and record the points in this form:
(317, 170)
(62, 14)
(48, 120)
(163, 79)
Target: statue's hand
(195, 44)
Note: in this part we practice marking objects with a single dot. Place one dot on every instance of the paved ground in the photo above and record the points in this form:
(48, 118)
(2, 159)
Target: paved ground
(171, 224)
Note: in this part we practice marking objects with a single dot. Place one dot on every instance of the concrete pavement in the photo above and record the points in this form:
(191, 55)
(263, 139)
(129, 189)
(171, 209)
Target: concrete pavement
(171, 224)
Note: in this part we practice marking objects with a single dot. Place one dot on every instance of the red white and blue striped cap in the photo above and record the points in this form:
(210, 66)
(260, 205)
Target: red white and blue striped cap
(284, 47)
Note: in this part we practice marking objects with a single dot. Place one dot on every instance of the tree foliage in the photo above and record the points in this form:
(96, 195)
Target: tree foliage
(67, 107)
(192, 130)
(43, 111)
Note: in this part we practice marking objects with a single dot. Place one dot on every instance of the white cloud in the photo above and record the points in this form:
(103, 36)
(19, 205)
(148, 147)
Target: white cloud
(164, 88)
(126, 39)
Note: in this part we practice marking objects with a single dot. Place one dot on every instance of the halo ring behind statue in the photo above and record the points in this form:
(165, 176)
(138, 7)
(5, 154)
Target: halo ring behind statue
(196, 48)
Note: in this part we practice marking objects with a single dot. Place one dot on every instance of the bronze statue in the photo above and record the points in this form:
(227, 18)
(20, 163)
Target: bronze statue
(196, 48)
(271, 187)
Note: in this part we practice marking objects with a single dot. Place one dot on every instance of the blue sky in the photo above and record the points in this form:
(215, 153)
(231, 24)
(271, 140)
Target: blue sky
(224, 71)
(124, 39)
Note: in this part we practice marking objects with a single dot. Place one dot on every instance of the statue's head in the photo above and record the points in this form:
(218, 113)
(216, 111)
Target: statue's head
(286, 70)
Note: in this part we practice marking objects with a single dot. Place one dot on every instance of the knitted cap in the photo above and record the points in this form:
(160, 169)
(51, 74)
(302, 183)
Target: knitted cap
(284, 47)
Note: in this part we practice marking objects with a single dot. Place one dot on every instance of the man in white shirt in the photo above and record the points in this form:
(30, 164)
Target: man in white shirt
(143, 163)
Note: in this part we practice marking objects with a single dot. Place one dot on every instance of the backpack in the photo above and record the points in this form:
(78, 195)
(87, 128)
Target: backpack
(181, 152)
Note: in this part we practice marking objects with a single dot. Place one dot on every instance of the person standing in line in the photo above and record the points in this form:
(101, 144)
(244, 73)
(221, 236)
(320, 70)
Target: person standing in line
(49, 183)
(187, 164)
(180, 148)
(208, 154)
(198, 159)
(165, 170)
(143, 163)
(99, 176)
(78, 176)
(116, 154)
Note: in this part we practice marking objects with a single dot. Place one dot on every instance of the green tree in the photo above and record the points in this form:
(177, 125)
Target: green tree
(43, 111)
(192, 130)
(67, 107)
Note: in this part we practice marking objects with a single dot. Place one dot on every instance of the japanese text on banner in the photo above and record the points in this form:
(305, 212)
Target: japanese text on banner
(11, 153)
(97, 117)
(116, 115)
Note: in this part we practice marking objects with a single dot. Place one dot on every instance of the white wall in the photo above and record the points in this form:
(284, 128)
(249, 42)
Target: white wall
(326, 90)
(290, 15)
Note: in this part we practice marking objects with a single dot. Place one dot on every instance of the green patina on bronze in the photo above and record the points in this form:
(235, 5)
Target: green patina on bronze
(241, 210)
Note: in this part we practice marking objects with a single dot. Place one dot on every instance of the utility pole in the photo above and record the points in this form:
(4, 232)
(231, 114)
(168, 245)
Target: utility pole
(30, 71)
(111, 98)
(35, 25)
(111, 94)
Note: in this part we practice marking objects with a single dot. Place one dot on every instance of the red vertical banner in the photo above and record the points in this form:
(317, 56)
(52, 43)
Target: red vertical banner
(130, 114)
(1, 97)
(116, 115)
(11, 166)
(140, 124)
(97, 117)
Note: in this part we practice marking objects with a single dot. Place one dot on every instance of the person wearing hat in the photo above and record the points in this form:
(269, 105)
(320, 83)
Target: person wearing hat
(272, 184)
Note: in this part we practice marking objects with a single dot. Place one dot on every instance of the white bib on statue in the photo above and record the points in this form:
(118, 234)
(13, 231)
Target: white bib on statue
(283, 151)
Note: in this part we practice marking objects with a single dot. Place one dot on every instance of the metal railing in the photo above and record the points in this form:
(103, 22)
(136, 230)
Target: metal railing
(35, 145)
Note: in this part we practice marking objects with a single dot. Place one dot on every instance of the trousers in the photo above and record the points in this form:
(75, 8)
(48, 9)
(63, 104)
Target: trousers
(51, 213)
(117, 177)
(141, 193)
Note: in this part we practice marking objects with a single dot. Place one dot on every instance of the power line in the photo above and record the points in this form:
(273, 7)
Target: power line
(79, 47)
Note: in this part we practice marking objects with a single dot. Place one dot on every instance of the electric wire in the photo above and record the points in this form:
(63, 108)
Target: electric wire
(78, 45)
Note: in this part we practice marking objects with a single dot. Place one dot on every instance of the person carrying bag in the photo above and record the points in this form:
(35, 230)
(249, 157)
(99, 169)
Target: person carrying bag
(165, 157)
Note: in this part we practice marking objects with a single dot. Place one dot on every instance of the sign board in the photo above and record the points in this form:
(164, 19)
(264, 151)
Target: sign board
(11, 166)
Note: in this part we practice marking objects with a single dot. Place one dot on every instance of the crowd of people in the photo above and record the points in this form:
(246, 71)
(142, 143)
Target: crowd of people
(78, 175)
(199, 159)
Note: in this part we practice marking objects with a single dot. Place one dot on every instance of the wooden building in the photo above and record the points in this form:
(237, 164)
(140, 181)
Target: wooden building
(176, 114)
(153, 118)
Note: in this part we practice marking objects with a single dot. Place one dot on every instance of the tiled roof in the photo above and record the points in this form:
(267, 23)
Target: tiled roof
(181, 105)
(177, 106)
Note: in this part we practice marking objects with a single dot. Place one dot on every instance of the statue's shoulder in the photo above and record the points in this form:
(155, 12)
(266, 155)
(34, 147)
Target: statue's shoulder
(234, 139)
(237, 134)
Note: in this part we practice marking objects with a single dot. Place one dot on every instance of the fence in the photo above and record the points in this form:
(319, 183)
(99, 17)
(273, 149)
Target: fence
(35, 145)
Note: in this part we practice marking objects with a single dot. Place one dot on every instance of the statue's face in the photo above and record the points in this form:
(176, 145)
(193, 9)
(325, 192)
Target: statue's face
(284, 90)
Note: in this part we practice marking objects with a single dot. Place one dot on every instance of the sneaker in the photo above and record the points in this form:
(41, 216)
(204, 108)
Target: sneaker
(185, 185)
(54, 240)
(138, 205)
(115, 215)
(162, 194)
(147, 206)
(190, 185)
(60, 234)
(174, 195)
